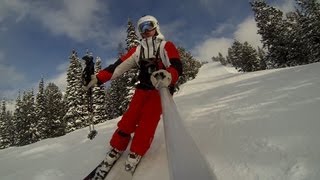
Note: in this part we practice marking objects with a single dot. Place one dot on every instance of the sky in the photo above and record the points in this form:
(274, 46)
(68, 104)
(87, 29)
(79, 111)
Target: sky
(37, 37)
(260, 125)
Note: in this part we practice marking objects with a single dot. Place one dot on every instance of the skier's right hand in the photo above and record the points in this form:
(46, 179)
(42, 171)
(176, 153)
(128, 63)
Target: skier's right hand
(161, 78)
(92, 83)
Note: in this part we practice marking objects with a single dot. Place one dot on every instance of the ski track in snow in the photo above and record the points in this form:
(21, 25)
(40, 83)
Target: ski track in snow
(253, 126)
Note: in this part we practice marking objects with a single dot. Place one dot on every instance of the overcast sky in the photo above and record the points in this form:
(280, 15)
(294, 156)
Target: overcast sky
(37, 37)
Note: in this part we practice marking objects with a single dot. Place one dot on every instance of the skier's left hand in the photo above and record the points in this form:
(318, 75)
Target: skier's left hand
(161, 78)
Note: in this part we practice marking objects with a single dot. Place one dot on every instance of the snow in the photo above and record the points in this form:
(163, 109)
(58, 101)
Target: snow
(261, 125)
(182, 152)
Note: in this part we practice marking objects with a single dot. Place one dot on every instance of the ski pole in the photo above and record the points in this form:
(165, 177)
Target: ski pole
(92, 132)
(86, 75)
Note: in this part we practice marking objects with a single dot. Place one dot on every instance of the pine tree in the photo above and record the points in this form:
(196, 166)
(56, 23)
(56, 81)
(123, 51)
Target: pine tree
(26, 120)
(116, 98)
(17, 118)
(31, 116)
(2, 127)
(41, 111)
(55, 126)
(249, 58)
(11, 128)
(190, 66)
(244, 57)
(5, 122)
(309, 20)
(131, 76)
(220, 59)
(132, 38)
(273, 32)
(233, 54)
(262, 58)
(75, 95)
(293, 40)
(297, 51)
(99, 98)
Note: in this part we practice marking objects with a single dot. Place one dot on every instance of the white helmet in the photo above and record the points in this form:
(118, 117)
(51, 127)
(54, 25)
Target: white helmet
(148, 22)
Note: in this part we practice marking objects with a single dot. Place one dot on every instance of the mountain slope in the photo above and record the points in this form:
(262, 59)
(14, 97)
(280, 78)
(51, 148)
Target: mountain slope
(260, 125)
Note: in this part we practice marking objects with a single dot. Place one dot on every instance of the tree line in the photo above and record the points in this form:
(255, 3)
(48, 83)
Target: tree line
(51, 113)
(289, 39)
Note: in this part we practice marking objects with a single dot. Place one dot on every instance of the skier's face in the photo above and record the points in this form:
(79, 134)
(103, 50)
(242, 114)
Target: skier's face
(147, 33)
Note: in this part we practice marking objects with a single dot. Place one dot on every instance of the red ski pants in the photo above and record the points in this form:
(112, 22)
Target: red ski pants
(142, 119)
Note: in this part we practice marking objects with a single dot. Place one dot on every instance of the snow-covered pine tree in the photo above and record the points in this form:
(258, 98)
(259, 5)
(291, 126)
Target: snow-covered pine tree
(99, 98)
(2, 127)
(190, 66)
(30, 106)
(132, 38)
(41, 111)
(220, 59)
(116, 97)
(5, 122)
(233, 53)
(297, 52)
(293, 40)
(17, 118)
(132, 75)
(244, 57)
(75, 95)
(273, 32)
(11, 128)
(26, 120)
(262, 58)
(54, 108)
(309, 20)
(249, 58)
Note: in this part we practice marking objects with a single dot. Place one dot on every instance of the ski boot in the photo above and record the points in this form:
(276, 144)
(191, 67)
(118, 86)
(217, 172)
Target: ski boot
(132, 162)
(112, 156)
(105, 166)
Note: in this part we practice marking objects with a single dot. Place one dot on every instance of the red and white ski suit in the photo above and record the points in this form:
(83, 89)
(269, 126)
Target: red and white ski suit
(144, 111)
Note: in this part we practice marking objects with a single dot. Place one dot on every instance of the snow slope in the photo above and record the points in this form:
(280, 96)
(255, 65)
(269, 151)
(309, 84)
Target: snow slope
(262, 125)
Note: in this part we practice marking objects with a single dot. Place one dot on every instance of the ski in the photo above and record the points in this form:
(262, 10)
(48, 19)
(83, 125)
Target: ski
(126, 172)
(93, 172)
(101, 171)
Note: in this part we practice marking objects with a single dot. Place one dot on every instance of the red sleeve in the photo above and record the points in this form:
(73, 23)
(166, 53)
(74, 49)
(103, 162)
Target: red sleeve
(128, 54)
(175, 69)
(171, 50)
(174, 74)
(103, 76)
(106, 74)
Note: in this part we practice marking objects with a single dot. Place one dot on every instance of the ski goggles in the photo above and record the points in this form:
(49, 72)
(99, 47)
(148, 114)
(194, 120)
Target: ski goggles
(146, 26)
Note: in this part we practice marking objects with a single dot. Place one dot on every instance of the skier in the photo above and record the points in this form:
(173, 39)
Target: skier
(153, 56)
